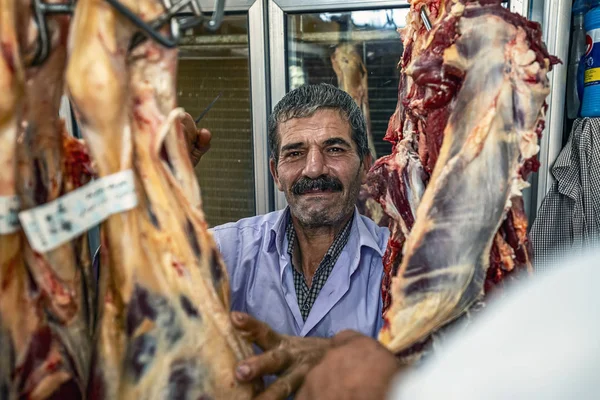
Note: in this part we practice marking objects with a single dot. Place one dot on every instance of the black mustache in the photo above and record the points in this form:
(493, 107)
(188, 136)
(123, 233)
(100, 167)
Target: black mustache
(304, 184)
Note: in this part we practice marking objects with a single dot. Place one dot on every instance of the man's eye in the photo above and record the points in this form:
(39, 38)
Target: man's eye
(292, 154)
(335, 150)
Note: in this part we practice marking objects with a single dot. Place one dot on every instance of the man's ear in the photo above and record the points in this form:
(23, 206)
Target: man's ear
(367, 163)
(274, 174)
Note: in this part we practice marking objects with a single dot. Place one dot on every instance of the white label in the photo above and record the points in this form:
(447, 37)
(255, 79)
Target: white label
(9, 211)
(59, 221)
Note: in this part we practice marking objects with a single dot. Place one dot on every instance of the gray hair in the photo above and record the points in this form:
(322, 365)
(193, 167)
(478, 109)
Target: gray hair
(304, 101)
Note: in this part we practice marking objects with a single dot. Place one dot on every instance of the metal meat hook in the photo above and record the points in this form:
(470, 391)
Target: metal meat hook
(40, 12)
(425, 19)
(179, 14)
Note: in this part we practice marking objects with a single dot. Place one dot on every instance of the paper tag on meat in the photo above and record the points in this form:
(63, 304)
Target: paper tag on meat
(9, 211)
(59, 221)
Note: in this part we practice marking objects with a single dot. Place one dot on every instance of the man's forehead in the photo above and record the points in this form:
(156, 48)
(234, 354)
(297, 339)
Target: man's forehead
(320, 126)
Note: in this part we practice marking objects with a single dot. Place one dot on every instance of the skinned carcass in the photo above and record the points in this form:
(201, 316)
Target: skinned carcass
(352, 77)
(164, 329)
(13, 275)
(46, 310)
(470, 111)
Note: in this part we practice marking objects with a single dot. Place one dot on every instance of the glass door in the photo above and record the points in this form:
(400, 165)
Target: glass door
(352, 44)
(305, 35)
(229, 64)
(356, 50)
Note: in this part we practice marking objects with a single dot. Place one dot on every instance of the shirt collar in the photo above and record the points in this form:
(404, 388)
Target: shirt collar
(366, 236)
(339, 241)
(278, 232)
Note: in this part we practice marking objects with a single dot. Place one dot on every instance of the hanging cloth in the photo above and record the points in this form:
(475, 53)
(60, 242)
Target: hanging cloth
(569, 217)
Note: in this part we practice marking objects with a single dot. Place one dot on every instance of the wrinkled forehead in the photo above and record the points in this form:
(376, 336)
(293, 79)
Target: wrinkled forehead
(306, 112)
(318, 127)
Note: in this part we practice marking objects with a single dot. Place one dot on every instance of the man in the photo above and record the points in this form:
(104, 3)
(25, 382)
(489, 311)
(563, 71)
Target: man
(539, 342)
(315, 268)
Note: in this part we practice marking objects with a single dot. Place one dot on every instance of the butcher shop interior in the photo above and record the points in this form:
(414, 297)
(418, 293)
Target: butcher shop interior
(310, 199)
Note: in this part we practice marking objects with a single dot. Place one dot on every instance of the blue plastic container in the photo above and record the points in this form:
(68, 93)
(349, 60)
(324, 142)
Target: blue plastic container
(576, 65)
(590, 106)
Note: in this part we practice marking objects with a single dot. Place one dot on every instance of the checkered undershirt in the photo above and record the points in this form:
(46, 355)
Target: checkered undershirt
(568, 220)
(307, 296)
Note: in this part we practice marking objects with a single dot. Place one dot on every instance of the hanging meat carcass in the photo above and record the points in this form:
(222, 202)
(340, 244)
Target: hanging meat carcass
(46, 310)
(352, 77)
(470, 111)
(13, 276)
(164, 329)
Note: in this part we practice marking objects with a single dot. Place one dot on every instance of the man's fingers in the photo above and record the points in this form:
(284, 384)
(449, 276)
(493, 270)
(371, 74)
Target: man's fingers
(345, 336)
(199, 145)
(189, 126)
(199, 138)
(255, 331)
(203, 138)
(186, 118)
(272, 362)
(285, 385)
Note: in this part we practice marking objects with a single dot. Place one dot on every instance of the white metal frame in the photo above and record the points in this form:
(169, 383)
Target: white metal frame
(277, 63)
(336, 5)
(230, 5)
(260, 106)
(556, 28)
(258, 95)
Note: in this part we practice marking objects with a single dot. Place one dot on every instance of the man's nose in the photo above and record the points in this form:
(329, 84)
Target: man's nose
(315, 164)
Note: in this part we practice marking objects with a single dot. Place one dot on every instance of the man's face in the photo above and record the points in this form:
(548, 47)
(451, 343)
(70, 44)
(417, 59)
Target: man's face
(319, 169)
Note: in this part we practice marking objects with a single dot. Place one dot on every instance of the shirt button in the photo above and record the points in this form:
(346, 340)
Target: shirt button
(305, 307)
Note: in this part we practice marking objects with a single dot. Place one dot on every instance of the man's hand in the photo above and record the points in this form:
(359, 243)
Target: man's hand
(289, 357)
(198, 140)
(356, 367)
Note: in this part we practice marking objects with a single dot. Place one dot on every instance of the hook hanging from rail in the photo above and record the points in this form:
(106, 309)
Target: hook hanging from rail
(425, 19)
(179, 14)
(40, 12)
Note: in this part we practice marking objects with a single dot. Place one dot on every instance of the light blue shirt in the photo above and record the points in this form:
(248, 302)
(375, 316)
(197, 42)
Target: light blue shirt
(262, 284)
